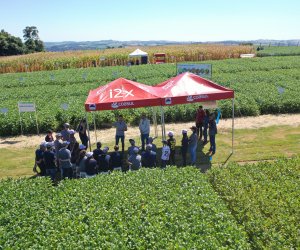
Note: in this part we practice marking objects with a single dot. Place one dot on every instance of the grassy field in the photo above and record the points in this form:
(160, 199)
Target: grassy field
(250, 145)
(279, 51)
(262, 86)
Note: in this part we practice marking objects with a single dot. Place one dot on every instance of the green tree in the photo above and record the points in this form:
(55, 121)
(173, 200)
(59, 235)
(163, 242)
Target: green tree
(10, 45)
(32, 40)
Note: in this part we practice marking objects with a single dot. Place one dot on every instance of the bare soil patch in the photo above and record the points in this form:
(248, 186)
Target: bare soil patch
(107, 135)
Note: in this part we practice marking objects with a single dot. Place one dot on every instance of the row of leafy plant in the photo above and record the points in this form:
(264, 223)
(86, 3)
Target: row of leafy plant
(279, 51)
(264, 198)
(262, 86)
(148, 209)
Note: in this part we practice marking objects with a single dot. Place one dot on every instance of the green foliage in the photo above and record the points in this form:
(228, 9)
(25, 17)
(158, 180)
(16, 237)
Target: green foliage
(279, 51)
(264, 198)
(32, 40)
(256, 83)
(148, 209)
(10, 45)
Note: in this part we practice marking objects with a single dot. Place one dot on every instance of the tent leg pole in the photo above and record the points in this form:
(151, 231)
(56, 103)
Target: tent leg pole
(163, 128)
(95, 127)
(88, 129)
(232, 125)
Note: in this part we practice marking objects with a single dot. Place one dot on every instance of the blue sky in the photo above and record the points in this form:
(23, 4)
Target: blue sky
(189, 20)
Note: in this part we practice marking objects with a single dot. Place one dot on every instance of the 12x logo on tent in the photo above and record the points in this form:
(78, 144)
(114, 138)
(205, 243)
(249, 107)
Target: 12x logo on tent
(120, 93)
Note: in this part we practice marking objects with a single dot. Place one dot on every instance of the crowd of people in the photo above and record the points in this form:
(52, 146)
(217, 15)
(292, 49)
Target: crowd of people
(66, 157)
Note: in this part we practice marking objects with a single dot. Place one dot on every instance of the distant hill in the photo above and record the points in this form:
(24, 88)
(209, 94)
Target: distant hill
(106, 44)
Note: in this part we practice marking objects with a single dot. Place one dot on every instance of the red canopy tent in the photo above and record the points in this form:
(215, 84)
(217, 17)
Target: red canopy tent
(182, 89)
(121, 94)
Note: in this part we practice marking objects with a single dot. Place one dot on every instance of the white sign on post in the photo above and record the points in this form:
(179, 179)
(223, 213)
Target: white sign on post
(26, 107)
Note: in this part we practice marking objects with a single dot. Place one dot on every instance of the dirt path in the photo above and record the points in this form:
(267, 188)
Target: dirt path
(107, 135)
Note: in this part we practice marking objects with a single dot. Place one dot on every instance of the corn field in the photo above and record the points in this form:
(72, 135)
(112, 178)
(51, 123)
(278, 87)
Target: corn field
(112, 57)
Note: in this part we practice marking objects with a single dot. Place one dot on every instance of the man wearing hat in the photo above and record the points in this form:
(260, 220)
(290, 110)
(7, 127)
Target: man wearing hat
(104, 161)
(64, 157)
(65, 132)
(184, 146)
(150, 141)
(149, 157)
(49, 160)
(134, 160)
(193, 140)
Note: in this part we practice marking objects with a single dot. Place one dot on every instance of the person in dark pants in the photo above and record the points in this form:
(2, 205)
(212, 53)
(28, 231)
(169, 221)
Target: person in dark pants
(98, 151)
(199, 121)
(104, 161)
(49, 160)
(82, 132)
(116, 159)
(121, 127)
(172, 144)
(64, 156)
(165, 154)
(149, 157)
(90, 164)
(205, 126)
(144, 127)
(184, 146)
(39, 159)
(212, 130)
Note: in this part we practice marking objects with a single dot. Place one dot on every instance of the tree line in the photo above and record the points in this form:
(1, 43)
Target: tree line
(12, 45)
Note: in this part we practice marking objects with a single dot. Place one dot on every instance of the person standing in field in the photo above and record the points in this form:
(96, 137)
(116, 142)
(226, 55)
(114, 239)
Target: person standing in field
(172, 144)
(184, 146)
(193, 141)
(199, 121)
(121, 127)
(165, 154)
(65, 132)
(49, 136)
(82, 132)
(49, 160)
(212, 130)
(64, 156)
(205, 125)
(39, 160)
(144, 127)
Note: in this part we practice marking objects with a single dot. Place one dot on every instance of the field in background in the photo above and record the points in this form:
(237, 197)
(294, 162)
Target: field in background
(268, 85)
(113, 57)
(279, 51)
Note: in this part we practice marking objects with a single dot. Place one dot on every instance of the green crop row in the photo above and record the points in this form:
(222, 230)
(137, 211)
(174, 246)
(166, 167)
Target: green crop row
(268, 85)
(264, 198)
(148, 209)
(279, 51)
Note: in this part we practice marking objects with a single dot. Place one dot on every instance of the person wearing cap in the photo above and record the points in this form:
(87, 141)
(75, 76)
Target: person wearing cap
(130, 148)
(212, 131)
(134, 161)
(172, 144)
(121, 127)
(72, 140)
(193, 141)
(97, 151)
(116, 159)
(150, 141)
(149, 157)
(39, 159)
(199, 121)
(49, 136)
(104, 161)
(205, 126)
(49, 160)
(64, 157)
(165, 154)
(184, 146)
(82, 127)
(144, 127)
(57, 146)
(65, 132)
(90, 165)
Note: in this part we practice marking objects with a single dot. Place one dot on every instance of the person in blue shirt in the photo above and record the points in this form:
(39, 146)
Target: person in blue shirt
(39, 156)
(116, 159)
(149, 157)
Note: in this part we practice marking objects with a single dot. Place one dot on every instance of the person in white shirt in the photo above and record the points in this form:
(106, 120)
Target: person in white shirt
(165, 154)
(144, 127)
